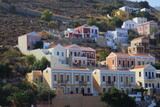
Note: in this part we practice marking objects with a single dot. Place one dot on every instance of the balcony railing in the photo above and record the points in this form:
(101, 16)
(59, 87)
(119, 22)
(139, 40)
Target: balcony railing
(82, 82)
(110, 82)
(62, 81)
(150, 77)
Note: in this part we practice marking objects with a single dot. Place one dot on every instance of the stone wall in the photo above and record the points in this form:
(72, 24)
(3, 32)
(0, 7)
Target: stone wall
(31, 12)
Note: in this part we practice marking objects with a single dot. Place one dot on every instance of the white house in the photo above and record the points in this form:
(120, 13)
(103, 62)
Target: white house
(119, 35)
(129, 9)
(140, 20)
(59, 52)
(129, 24)
(145, 10)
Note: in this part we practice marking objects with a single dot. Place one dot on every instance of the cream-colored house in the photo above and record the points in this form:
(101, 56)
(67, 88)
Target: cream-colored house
(70, 80)
(105, 79)
(145, 76)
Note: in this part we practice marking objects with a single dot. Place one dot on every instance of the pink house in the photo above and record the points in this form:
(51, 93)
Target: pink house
(83, 31)
(145, 28)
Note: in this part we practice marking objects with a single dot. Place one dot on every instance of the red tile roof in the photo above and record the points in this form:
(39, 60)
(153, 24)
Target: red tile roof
(122, 54)
(88, 48)
(69, 46)
(70, 69)
(139, 38)
(141, 66)
(142, 55)
(53, 46)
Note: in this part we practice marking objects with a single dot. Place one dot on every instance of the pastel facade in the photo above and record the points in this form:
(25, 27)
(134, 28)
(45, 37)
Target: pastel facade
(59, 53)
(158, 78)
(80, 56)
(140, 20)
(124, 15)
(130, 24)
(119, 35)
(103, 80)
(145, 28)
(35, 76)
(139, 46)
(145, 76)
(69, 80)
(83, 31)
(129, 9)
(124, 61)
(120, 61)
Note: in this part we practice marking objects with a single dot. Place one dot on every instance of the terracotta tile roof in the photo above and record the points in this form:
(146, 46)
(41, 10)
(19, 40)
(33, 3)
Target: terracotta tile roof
(139, 38)
(70, 69)
(142, 55)
(122, 54)
(112, 70)
(53, 46)
(69, 46)
(88, 48)
(141, 66)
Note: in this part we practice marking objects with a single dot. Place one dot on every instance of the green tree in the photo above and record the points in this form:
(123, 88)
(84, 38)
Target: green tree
(5, 70)
(37, 65)
(92, 21)
(103, 55)
(75, 23)
(39, 44)
(114, 23)
(44, 63)
(30, 59)
(11, 56)
(116, 98)
(143, 4)
(46, 15)
(53, 24)
(157, 65)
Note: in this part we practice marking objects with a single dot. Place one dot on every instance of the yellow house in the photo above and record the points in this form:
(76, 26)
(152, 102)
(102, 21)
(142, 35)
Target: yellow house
(105, 79)
(124, 15)
(34, 76)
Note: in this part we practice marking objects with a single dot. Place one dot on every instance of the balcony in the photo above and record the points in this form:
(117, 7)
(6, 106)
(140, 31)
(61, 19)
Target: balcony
(150, 78)
(62, 82)
(110, 82)
(82, 82)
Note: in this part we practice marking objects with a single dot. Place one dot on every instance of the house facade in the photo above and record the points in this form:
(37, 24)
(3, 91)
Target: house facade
(125, 61)
(103, 80)
(119, 35)
(80, 56)
(140, 20)
(139, 46)
(70, 80)
(145, 76)
(83, 31)
(124, 15)
(130, 24)
(129, 9)
(146, 28)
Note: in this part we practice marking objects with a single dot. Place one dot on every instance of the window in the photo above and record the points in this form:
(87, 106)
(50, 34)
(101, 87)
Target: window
(142, 62)
(82, 77)
(67, 78)
(139, 62)
(132, 62)
(75, 54)
(103, 79)
(88, 90)
(62, 54)
(36, 79)
(139, 74)
(104, 89)
(131, 79)
(119, 62)
(113, 62)
(152, 74)
(146, 85)
(76, 77)
(152, 85)
(57, 53)
(76, 89)
(149, 84)
(121, 79)
(114, 78)
(61, 77)
(87, 77)
(55, 77)
(146, 74)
